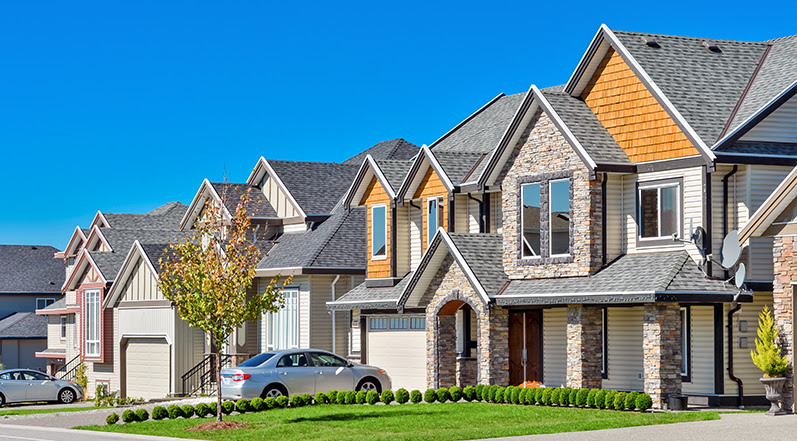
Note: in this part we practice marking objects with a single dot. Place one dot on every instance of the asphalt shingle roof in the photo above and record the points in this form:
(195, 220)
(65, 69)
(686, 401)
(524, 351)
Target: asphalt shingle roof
(30, 268)
(167, 216)
(393, 149)
(762, 148)
(395, 171)
(23, 324)
(362, 297)
(231, 194)
(316, 186)
(481, 133)
(484, 255)
(58, 304)
(459, 166)
(109, 263)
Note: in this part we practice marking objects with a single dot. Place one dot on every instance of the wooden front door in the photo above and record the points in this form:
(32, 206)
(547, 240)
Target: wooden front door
(525, 344)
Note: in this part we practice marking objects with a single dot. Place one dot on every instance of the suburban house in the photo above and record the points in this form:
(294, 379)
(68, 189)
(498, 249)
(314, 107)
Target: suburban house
(29, 279)
(777, 218)
(572, 235)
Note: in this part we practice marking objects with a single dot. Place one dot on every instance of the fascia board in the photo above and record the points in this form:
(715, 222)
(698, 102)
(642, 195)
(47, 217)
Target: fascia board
(136, 251)
(464, 265)
(96, 234)
(83, 259)
(409, 179)
(282, 185)
(571, 138)
(772, 207)
(78, 233)
(356, 184)
(583, 64)
(439, 169)
(254, 176)
(381, 177)
(101, 218)
(205, 191)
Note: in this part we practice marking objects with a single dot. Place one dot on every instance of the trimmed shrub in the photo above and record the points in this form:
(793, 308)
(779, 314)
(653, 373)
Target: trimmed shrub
(469, 393)
(129, 416)
(332, 396)
(547, 394)
(516, 395)
(112, 419)
(270, 402)
(538, 395)
(619, 400)
(581, 397)
(573, 396)
(643, 402)
(600, 399)
(591, 398)
(528, 395)
(351, 397)
(243, 405)
(479, 389)
(608, 399)
(430, 396)
(387, 396)
(500, 393)
(360, 397)
(202, 409)
(159, 413)
(142, 415)
(175, 411)
(372, 397)
(340, 398)
(257, 403)
(319, 398)
(228, 406)
(415, 396)
(521, 397)
(281, 401)
(630, 400)
(456, 393)
(443, 395)
(306, 398)
(402, 396)
(554, 400)
(296, 401)
(188, 410)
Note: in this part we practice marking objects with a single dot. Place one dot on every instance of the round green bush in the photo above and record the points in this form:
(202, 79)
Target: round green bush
(516, 395)
(281, 401)
(159, 413)
(112, 419)
(564, 396)
(538, 395)
(402, 396)
(296, 401)
(351, 397)
(598, 401)
(643, 402)
(430, 396)
(415, 396)
(202, 409)
(142, 415)
(608, 399)
(554, 400)
(243, 405)
(469, 393)
(257, 403)
(479, 389)
(387, 396)
(360, 397)
(521, 397)
(619, 400)
(591, 398)
(129, 416)
(340, 398)
(527, 396)
(227, 407)
(456, 393)
(174, 411)
(581, 397)
(319, 398)
(443, 395)
(372, 397)
(188, 410)
(630, 400)
(270, 402)
(332, 396)
(306, 398)
(547, 394)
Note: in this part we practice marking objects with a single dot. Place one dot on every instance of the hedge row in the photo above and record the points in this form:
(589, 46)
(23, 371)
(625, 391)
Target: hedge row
(547, 396)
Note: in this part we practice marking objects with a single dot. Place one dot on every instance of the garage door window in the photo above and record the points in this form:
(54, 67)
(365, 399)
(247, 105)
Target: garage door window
(283, 325)
(93, 323)
(417, 323)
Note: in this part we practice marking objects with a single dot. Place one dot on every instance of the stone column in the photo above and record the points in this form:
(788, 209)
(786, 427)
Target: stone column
(494, 346)
(584, 346)
(783, 307)
(661, 345)
(446, 351)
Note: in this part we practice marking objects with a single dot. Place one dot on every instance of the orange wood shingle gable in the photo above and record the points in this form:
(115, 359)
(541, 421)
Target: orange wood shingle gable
(376, 194)
(431, 186)
(631, 114)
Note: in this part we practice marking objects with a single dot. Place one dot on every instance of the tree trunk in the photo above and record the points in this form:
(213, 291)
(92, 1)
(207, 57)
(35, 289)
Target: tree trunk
(218, 384)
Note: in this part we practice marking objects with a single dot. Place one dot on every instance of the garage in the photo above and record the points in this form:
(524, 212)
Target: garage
(397, 344)
(147, 368)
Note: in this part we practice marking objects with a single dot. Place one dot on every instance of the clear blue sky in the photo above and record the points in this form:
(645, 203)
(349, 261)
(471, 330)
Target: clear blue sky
(123, 106)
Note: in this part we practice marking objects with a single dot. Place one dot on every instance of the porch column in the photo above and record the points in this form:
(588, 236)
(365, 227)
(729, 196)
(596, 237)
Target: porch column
(783, 307)
(661, 346)
(494, 346)
(584, 346)
(446, 351)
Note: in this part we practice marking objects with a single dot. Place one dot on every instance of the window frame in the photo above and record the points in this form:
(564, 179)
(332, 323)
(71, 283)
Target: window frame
(373, 235)
(63, 321)
(430, 232)
(386, 320)
(93, 322)
(679, 205)
(544, 180)
(686, 344)
(283, 325)
(523, 221)
(569, 221)
(47, 302)
(605, 343)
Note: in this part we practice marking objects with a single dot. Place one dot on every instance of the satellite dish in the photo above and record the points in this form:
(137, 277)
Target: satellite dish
(741, 272)
(731, 251)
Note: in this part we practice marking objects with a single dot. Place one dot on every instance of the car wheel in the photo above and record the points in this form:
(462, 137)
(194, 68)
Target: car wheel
(369, 384)
(66, 396)
(2, 400)
(274, 392)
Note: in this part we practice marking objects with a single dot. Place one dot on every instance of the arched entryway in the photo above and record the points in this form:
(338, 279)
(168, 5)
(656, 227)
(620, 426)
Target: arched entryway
(455, 348)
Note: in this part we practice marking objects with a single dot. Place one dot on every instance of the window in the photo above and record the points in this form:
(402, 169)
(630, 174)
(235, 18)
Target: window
(63, 327)
(545, 218)
(329, 360)
(531, 220)
(434, 217)
(685, 344)
(43, 303)
(659, 211)
(293, 360)
(378, 323)
(283, 325)
(418, 323)
(92, 309)
(560, 217)
(398, 323)
(257, 360)
(605, 343)
(379, 232)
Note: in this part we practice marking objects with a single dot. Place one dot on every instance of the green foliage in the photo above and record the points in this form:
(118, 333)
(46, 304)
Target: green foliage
(555, 396)
(360, 397)
(174, 411)
(202, 409)
(281, 401)
(296, 401)
(415, 396)
(142, 415)
(258, 405)
(538, 399)
(528, 395)
(129, 416)
(619, 400)
(767, 355)
(159, 413)
(319, 398)
(243, 405)
(479, 389)
(402, 396)
(581, 397)
(591, 397)
(547, 395)
(643, 402)
(270, 403)
(112, 419)
(522, 395)
(469, 393)
(630, 400)
(80, 375)
(600, 399)
(456, 393)
(332, 396)
(372, 397)
(102, 397)
(608, 399)
(387, 396)
(573, 396)
(430, 396)
(351, 397)
(228, 406)
(516, 395)
(340, 398)
(443, 395)
(306, 398)
(188, 410)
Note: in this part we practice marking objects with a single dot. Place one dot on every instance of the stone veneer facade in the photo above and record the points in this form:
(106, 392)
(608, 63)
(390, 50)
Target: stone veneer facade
(584, 343)
(492, 353)
(785, 260)
(661, 351)
(541, 155)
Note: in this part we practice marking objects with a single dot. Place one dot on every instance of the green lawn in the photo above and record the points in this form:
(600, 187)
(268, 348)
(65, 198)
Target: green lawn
(449, 421)
(24, 411)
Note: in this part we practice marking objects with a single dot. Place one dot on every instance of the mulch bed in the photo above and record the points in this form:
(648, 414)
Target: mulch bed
(218, 425)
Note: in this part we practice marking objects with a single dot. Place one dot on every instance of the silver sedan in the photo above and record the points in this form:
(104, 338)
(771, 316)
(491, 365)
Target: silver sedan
(18, 385)
(298, 371)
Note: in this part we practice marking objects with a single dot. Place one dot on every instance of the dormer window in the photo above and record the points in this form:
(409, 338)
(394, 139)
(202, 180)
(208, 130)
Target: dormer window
(434, 217)
(545, 218)
(379, 232)
(659, 211)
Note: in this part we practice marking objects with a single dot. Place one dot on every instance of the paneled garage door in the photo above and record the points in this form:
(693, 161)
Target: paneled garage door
(147, 368)
(401, 352)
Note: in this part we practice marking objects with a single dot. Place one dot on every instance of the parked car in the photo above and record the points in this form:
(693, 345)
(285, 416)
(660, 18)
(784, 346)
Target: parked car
(298, 371)
(18, 385)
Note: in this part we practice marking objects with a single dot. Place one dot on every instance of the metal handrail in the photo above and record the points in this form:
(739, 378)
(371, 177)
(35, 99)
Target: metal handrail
(201, 378)
(68, 370)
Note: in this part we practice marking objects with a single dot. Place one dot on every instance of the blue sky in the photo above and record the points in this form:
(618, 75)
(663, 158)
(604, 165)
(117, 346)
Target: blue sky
(123, 106)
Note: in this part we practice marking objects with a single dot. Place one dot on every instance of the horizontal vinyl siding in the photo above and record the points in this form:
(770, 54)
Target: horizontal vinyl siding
(625, 348)
(763, 181)
(415, 225)
(554, 334)
(743, 366)
(614, 217)
(702, 351)
(778, 126)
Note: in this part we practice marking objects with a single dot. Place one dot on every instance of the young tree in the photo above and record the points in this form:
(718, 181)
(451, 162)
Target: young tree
(206, 277)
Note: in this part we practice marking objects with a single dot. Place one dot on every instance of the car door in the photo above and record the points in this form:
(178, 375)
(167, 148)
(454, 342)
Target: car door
(297, 373)
(331, 372)
(13, 386)
(41, 387)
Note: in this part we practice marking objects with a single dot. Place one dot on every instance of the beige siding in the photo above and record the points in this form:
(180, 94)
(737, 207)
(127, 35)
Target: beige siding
(467, 214)
(763, 180)
(187, 351)
(461, 213)
(320, 319)
(625, 348)
(104, 372)
(278, 199)
(415, 222)
(403, 239)
(743, 366)
(54, 332)
(702, 351)
(305, 313)
(145, 321)
(496, 213)
(298, 227)
(554, 334)
(778, 126)
(141, 285)
(615, 245)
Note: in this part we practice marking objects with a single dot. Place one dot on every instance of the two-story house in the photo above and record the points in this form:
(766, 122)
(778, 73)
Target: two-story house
(592, 277)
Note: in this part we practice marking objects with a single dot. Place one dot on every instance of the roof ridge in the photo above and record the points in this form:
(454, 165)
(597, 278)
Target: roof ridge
(686, 37)
(311, 162)
(671, 273)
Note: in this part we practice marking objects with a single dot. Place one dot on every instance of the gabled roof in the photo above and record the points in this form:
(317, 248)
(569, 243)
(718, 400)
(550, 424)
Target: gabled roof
(149, 254)
(389, 173)
(164, 217)
(393, 149)
(773, 206)
(23, 325)
(316, 186)
(78, 239)
(30, 269)
(230, 194)
(481, 131)
(206, 191)
(84, 260)
(426, 159)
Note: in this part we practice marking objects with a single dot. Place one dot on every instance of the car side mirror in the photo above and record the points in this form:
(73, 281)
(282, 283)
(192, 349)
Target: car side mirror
(349, 364)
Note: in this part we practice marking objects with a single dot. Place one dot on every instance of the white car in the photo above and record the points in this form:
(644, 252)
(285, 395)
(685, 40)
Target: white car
(21, 385)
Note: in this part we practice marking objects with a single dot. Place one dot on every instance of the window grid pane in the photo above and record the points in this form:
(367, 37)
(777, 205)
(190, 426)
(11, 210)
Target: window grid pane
(560, 217)
(418, 323)
(531, 220)
(379, 231)
(398, 323)
(431, 219)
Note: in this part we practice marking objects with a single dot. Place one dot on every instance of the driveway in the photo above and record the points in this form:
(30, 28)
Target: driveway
(30, 433)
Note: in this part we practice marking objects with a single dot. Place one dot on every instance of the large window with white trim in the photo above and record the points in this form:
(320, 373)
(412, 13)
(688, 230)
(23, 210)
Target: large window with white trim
(92, 311)
(659, 210)
(379, 232)
(283, 325)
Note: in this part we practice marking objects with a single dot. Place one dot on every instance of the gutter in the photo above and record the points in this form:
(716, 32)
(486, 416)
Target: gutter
(738, 381)
(481, 212)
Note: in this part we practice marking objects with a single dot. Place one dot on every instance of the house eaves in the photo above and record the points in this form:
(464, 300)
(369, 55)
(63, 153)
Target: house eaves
(368, 169)
(411, 183)
(206, 191)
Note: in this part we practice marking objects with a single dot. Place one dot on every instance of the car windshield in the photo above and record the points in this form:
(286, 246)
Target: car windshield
(257, 360)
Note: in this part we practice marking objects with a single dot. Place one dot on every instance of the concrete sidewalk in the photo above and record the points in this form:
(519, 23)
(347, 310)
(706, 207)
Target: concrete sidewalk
(31, 433)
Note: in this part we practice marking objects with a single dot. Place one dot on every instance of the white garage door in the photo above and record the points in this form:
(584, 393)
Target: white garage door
(400, 351)
(147, 368)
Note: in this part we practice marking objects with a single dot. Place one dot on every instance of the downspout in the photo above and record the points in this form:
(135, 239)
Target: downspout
(334, 340)
(730, 356)
(481, 212)
(707, 220)
(603, 219)
(725, 205)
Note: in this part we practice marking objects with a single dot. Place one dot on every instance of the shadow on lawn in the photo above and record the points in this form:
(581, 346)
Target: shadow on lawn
(352, 416)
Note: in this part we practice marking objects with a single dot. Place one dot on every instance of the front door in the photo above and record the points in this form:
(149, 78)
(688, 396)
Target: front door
(525, 347)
